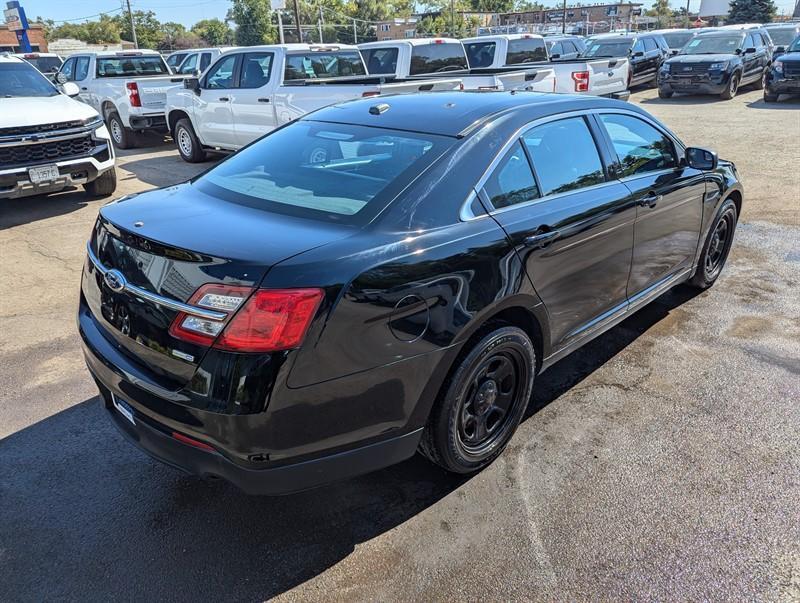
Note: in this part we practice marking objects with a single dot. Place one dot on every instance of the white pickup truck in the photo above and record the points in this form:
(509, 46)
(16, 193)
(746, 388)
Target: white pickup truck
(600, 77)
(446, 57)
(250, 91)
(128, 88)
(49, 141)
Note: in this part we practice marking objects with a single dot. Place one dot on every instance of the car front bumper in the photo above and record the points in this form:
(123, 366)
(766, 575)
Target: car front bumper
(15, 182)
(695, 84)
(783, 86)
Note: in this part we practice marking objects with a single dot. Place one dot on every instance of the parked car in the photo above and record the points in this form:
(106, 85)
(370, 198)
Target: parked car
(783, 76)
(446, 57)
(565, 47)
(782, 35)
(198, 60)
(47, 63)
(717, 62)
(282, 323)
(676, 39)
(603, 77)
(48, 140)
(127, 88)
(250, 91)
(175, 58)
(645, 52)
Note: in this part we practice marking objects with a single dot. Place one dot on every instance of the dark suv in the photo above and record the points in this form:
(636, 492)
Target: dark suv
(717, 62)
(783, 76)
(645, 52)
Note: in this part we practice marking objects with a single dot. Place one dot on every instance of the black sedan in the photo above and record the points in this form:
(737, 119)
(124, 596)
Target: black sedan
(386, 276)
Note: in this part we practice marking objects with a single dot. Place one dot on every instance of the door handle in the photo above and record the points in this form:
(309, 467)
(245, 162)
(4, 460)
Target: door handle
(224, 99)
(263, 100)
(542, 239)
(650, 200)
(84, 88)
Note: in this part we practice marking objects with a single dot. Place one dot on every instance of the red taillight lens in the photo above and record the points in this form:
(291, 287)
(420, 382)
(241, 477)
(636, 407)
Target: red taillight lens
(192, 442)
(271, 320)
(133, 94)
(581, 79)
(203, 331)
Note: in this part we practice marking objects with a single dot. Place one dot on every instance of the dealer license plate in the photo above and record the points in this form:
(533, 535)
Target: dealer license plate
(46, 173)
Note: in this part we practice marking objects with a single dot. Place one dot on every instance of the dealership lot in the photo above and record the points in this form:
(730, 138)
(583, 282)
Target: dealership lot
(660, 461)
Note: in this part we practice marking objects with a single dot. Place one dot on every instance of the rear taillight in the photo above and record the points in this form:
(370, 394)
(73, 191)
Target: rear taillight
(370, 93)
(269, 320)
(133, 94)
(581, 79)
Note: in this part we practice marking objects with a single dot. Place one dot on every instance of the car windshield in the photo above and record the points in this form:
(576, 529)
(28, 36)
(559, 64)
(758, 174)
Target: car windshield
(128, 66)
(22, 80)
(607, 48)
(336, 172)
(677, 39)
(712, 45)
(782, 36)
(45, 64)
(795, 47)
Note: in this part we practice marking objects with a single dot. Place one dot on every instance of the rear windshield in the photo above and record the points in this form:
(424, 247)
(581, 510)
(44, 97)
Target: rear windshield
(480, 54)
(174, 60)
(677, 39)
(525, 50)
(22, 80)
(335, 172)
(713, 45)
(45, 64)
(607, 48)
(437, 58)
(782, 36)
(314, 65)
(380, 60)
(131, 66)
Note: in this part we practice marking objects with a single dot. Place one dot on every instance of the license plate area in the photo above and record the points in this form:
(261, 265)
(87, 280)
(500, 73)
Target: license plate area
(42, 174)
(123, 408)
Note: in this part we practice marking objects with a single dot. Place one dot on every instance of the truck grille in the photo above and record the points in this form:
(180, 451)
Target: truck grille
(41, 128)
(47, 151)
(690, 69)
(791, 70)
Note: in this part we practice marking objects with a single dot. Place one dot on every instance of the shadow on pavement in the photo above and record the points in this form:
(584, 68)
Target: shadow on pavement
(683, 99)
(164, 170)
(15, 212)
(86, 516)
(784, 102)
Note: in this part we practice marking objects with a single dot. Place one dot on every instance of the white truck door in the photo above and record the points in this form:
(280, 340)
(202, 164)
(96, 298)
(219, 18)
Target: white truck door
(213, 118)
(81, 77)
(253, 106)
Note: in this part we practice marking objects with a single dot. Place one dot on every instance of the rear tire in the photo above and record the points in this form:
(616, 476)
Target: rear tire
(664, 94)
(732, 88)
(189, 146)
(104, 185)
(716, 247)
(761, 82)
(482, 402)
(124, 138)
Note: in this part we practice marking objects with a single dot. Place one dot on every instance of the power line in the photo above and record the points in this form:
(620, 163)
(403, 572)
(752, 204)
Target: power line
(108, 12)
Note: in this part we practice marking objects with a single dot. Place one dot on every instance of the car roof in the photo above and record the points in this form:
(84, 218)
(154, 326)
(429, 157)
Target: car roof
(6, 57)
(503, 37)
(290, 47)
(410, 42)
(723, 32)
(454, 113)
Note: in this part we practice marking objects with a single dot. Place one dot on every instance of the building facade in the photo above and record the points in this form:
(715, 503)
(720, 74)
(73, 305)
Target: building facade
(594, 18)
(396, 29)
(9, 42)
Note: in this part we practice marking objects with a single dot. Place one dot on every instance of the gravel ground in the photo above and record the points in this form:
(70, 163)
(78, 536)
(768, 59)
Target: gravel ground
(659, 462)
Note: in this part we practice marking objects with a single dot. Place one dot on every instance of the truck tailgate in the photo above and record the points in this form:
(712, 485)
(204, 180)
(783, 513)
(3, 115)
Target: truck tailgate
(153, 92)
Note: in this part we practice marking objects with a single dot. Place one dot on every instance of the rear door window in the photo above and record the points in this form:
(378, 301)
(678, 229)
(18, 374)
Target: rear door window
(480, 54)
(525, 50)
(319, 65)
(512, 181)
(640, 147)
(382, 61)
(564, 156)
(131, 66)
(437, 58)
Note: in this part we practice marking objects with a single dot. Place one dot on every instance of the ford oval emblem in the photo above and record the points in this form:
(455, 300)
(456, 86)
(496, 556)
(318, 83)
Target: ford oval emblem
(115, 281)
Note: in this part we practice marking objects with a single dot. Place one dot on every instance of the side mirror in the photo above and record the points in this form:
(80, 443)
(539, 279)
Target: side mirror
(674, 51)
(780, 49)
(70, 89)
(61, 78)
(701, 159)
(555, 56)
(193, 84)
(197, 73)
(750, 50)
(638, 53)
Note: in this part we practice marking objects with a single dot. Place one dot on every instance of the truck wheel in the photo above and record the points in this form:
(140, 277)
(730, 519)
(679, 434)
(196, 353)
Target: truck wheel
(664, 93)
(189, 146)
(124, 138)
(732, 88)
(769, 97)
(761, 82)
(482, 402)
(104, 185)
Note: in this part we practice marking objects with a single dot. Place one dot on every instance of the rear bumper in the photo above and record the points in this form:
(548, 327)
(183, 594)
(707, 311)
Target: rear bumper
(148, 122)
(15, 182)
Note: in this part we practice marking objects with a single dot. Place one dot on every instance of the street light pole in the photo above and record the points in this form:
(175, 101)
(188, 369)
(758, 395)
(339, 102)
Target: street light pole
(564, 19)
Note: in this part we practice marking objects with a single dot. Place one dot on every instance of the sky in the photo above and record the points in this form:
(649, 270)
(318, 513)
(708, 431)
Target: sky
(188, 13)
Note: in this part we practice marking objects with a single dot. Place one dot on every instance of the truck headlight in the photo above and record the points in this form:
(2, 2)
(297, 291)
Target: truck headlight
(778, 67)
(102, 132)
(718, 66)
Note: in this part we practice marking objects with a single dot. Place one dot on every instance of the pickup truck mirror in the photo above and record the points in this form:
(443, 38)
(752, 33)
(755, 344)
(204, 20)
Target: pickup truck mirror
(555, 56)
(638, 53)
(701, 159)
(193, 84)
(780, 49)
(61, 78)
(70, 89)
(674, 51)
(750, 50)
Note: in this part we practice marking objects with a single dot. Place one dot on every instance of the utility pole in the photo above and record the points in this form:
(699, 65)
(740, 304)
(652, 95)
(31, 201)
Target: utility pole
(564, 19)
(133, 25)
(297, 22)
(452, 19)
(319, 24)
(687, 14)
(355, 33)
(280, 25)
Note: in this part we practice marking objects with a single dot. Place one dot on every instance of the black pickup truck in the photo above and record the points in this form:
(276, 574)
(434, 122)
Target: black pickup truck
(717, 62)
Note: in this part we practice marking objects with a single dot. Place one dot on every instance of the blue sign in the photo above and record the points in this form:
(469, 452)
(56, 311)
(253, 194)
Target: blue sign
(18, 23)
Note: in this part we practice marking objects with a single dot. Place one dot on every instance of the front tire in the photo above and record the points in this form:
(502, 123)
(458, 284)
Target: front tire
(104, 185)
(124, 138)
(482, 403)
(761, 82)
(732, 88)
(770, 98)
(717, 246)
(189, 146)
(664, 93)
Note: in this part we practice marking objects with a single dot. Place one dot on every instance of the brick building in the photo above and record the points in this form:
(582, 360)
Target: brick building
(396, 29)
(9, 42)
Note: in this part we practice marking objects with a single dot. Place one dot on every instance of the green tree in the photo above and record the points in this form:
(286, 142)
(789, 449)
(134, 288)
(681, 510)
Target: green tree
(148, 28)
(662, 12)
(527, 5)
(103, 31)
(214, 31)
(253, 20)
(752, 11)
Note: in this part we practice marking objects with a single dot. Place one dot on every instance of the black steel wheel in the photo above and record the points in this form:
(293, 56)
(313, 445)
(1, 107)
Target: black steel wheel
(482, 402)
(717, 246)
